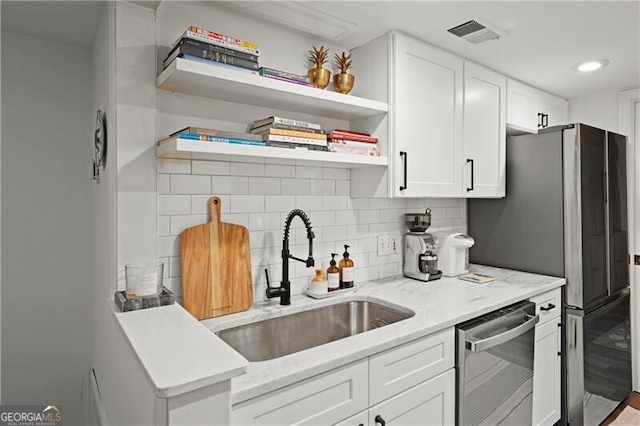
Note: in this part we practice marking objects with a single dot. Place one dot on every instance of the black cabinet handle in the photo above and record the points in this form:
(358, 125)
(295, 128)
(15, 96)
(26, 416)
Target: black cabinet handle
(540, 119)
(361, 424)
(403, 154)
(380, 420)
(549, 307)
(469, 160)
(545, 121)
(559, 353)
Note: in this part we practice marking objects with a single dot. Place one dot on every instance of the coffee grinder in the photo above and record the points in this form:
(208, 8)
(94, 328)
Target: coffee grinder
(420, 259)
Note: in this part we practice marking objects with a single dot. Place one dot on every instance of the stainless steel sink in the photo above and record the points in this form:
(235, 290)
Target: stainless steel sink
(287, 334)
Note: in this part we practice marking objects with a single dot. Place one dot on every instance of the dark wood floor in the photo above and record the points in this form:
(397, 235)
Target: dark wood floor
(633, 400)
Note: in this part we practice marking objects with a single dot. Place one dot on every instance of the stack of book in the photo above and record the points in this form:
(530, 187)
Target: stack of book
(209, 46)
(285, 76)
(287, 133)
(214, 135)
(352, 142)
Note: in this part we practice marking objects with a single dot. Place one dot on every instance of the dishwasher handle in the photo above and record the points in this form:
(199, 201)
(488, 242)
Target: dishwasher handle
(479, 345)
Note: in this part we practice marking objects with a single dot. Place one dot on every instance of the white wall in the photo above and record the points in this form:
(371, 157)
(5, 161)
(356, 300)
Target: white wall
(46, 240)
(599, 110)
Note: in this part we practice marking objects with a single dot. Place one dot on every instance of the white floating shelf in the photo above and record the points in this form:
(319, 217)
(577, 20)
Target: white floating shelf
(187, 148)
(206, 80)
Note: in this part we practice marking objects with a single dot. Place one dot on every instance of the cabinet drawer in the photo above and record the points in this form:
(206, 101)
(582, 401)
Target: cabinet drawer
(320, 400)
(400, 368)
(548, 305)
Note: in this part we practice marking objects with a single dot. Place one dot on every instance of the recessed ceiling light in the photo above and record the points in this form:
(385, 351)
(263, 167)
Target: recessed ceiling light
(592, 65)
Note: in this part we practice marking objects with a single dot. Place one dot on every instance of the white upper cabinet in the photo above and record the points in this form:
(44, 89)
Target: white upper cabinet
(484, 132)
(446, 122)
(426, 105)
(530, 109)
(553, 110)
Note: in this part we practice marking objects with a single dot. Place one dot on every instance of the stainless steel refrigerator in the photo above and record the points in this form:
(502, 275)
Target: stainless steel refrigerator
(565, 214)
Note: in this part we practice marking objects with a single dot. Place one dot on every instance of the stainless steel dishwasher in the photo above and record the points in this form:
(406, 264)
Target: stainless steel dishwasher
(494, 367)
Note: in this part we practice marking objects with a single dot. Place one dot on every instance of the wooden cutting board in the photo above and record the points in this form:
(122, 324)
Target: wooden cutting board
(216, 267)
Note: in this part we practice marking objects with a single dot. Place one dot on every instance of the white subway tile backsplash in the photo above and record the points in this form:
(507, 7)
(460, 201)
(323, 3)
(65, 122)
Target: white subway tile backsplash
(309, 172)
(189, 184)
(164, 226)
(347, 217)
(211, 168)
(164, 184)
(180, 223)
(247, 169)
(454, 212)
(275, 170)
(174, 166)
(358, 203)
(333, 173)
(200, 204)
(368, 216)
(343, 187)
(237, 218)
(378, 203)
(334, 233)
(280, 203)
(265, 221)
(322, 187)
(324, 218)
(174, 204)
(176, 266)
(309, 202)
(247, 204)
(295, 186)
(260, 195)
(236, 185)
(334, 202)
(264, 185)
(168, 246)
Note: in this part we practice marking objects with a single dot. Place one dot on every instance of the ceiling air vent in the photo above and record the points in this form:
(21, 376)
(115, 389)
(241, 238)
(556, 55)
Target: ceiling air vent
(474, 32)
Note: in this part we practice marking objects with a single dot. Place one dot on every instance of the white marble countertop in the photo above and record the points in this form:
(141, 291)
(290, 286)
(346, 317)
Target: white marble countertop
(437, 305)
(178, 353)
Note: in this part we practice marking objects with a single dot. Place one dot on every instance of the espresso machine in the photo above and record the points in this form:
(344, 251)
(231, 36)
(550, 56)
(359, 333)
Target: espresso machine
(420, 258)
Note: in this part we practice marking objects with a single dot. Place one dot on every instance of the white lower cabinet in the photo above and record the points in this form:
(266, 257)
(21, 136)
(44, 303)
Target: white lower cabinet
(430, 403)
(413, 383)
(547, 360)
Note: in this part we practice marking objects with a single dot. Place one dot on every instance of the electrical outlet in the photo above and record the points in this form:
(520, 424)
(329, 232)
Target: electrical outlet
(382, 240)
(394, 243)
(388, 244)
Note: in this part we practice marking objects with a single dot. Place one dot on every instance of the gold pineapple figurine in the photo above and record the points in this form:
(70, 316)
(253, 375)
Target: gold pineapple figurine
(343, 82)
(318, 75)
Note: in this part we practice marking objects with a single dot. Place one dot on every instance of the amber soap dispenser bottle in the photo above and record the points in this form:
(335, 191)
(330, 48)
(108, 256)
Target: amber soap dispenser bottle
(346, 269)
(333, 274)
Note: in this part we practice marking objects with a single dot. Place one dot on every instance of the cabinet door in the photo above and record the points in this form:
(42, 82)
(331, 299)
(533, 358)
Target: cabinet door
(429, 403)
(554, 108)
(522, 107)
(320, 400)
(484, 132)
(427, 120)
(546, 374)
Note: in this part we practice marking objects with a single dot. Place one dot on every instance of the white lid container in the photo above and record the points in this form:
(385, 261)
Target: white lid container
(452, 248)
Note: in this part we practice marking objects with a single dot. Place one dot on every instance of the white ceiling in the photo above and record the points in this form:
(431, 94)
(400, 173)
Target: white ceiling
(544, 39)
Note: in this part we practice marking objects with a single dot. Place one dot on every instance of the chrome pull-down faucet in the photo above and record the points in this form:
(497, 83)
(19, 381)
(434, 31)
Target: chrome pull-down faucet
(284, 291)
